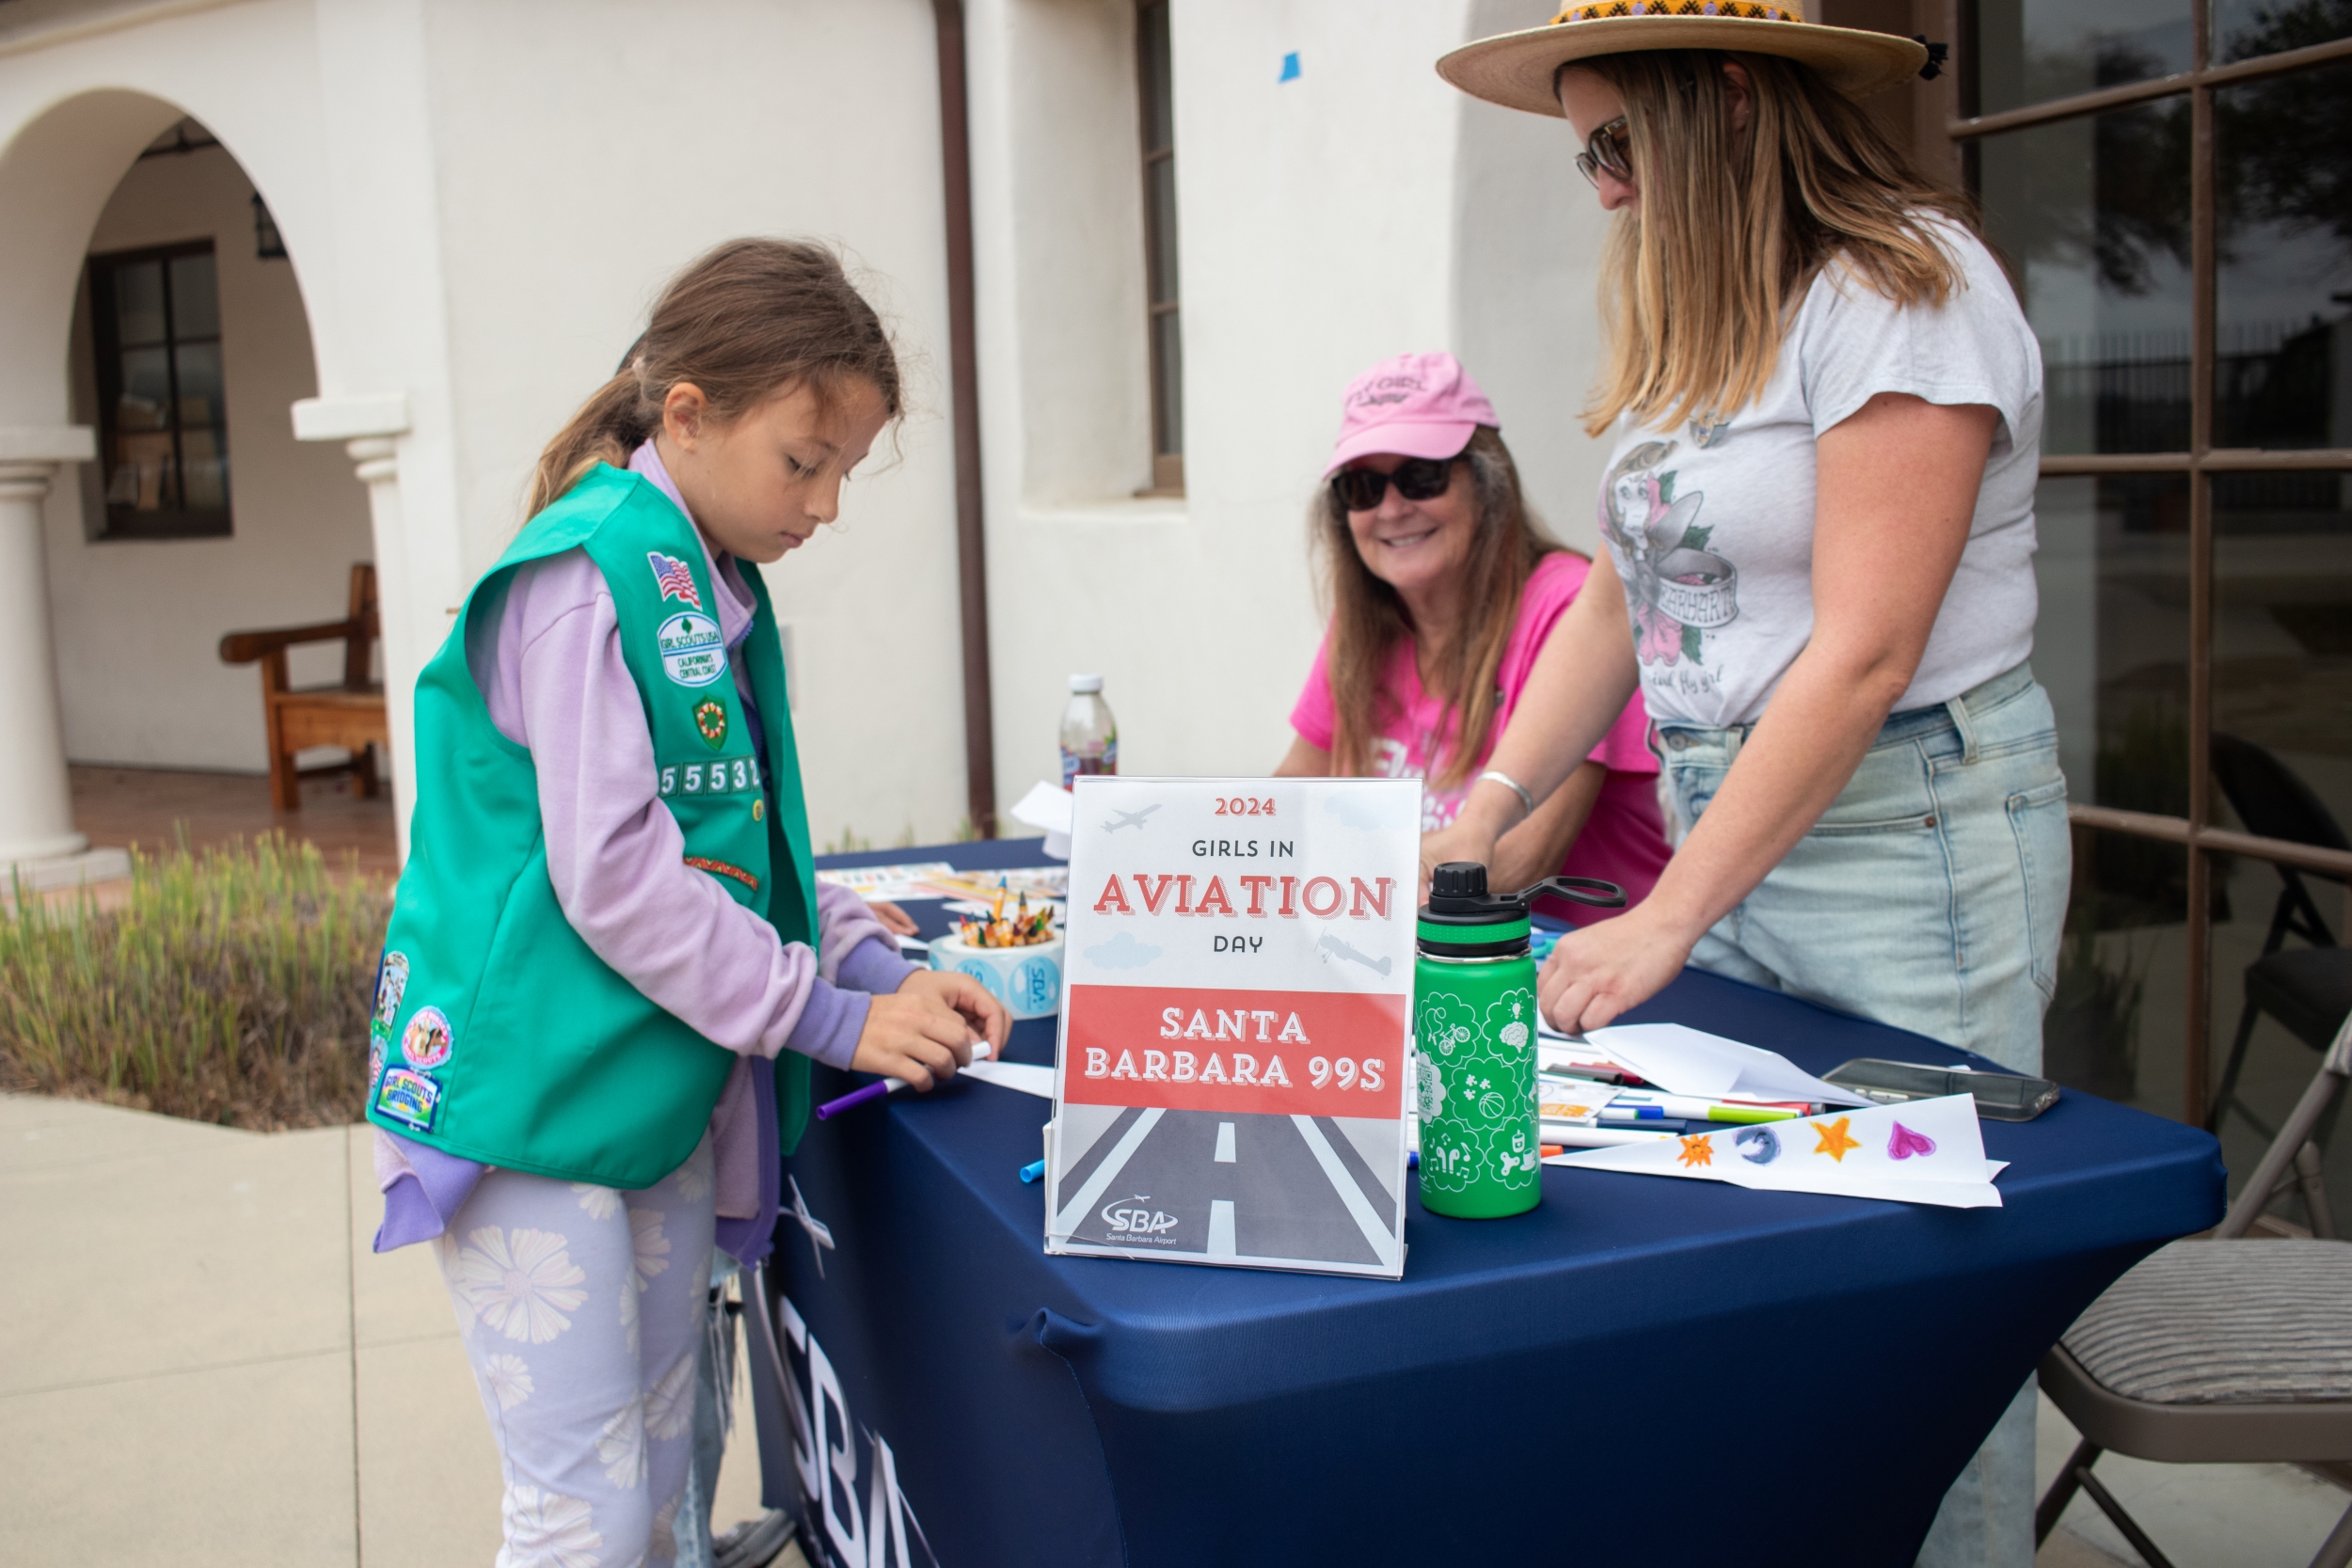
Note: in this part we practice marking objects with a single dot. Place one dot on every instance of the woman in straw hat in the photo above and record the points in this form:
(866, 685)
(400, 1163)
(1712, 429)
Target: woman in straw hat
(1825, 412)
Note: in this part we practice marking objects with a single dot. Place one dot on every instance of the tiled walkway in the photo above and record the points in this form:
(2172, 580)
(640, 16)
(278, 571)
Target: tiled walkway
(201, 1363)
(122, 806)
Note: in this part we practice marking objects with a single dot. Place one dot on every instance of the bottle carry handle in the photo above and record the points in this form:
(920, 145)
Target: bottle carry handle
(1577, 890)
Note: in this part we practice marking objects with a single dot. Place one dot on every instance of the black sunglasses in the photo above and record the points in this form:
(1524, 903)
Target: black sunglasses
(1417, 479)
(1607, 149)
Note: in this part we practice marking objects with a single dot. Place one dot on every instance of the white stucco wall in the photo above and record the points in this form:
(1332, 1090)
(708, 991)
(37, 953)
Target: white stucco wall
(138, 622)
(1359, 211)
(584, 153)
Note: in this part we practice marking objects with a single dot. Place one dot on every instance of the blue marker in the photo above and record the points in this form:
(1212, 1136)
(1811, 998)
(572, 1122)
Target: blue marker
(1033, 1171)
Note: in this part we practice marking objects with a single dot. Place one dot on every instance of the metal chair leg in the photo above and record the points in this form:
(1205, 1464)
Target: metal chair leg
(2122, 1521)
(2045, 1513)
(2313, 1181)
(2337, 1550)
(2229, 1073)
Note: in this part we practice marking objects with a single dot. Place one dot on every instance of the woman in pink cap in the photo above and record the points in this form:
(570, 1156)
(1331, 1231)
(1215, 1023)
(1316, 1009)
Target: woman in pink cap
(1443, 589)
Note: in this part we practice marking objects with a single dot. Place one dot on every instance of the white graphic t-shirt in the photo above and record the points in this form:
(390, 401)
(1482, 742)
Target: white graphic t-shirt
(1711, 523)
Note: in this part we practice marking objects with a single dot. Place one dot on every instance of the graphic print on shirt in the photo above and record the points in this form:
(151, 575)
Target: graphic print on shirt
(1677, 590)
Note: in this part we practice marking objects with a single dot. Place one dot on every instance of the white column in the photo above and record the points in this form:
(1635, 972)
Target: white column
(369, 428)
(36, 802)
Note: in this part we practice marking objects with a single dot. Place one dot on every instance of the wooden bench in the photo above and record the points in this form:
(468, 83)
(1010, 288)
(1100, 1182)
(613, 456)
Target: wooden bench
(350, 714)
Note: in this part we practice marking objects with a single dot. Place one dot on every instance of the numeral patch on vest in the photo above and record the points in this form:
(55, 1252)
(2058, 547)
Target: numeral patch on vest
(727, 776)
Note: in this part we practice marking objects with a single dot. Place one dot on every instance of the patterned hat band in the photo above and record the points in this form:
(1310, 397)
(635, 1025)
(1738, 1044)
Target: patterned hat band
(1746, 10)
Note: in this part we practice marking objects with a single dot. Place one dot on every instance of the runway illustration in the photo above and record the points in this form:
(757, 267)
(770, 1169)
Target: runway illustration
(1219, 1186)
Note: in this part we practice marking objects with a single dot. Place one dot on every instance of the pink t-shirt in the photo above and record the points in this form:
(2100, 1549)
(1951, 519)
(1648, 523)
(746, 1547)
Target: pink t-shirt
(1623, 841)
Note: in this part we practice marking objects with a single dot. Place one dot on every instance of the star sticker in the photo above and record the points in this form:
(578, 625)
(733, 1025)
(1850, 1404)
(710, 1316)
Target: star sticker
(1697, 1151)
(1835, 1140)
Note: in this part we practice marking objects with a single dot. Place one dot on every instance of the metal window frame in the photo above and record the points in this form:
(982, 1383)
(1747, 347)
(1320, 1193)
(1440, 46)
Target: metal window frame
(176, 520)
(2195, 831)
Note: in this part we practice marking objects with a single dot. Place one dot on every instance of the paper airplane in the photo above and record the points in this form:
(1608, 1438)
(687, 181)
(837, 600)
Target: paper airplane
(1693, 1062)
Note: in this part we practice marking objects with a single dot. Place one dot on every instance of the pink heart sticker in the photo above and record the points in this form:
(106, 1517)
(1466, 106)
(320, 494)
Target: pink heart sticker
(1905, 1143)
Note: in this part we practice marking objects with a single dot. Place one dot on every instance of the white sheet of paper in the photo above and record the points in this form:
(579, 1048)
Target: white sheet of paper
(1024, 1076)
(888, 881)
(1047, 806)
(1689, 1061)
(1924, 1152)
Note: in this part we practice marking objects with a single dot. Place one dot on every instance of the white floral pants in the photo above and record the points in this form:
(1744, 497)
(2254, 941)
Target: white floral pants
(581, 1308)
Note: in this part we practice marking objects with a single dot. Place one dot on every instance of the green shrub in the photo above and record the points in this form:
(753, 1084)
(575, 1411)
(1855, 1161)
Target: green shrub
(232, 985)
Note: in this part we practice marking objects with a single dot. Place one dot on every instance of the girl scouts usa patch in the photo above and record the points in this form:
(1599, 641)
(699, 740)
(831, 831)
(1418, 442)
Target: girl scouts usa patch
(408, 1098)
(428, 1040)
(710, 720)
(691, 649)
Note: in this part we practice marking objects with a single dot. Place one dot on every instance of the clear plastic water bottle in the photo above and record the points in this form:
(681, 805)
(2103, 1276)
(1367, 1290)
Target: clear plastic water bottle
(1090, 736)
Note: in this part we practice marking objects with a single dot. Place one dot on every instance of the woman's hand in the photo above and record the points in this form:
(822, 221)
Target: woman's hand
(986, 1016)
(1600, 970)
(915, 1036)
(894, 919)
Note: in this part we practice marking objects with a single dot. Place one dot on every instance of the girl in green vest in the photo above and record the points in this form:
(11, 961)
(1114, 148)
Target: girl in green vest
(609, 963)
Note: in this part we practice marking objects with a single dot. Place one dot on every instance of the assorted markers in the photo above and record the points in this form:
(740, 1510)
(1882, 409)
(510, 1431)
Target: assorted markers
(1598, 1105)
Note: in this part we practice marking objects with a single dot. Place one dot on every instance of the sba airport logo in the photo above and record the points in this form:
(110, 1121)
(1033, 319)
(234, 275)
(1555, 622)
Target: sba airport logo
(1124, 1218)
(825, 1449)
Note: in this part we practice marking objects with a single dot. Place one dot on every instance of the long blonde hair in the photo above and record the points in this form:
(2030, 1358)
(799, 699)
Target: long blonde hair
(744, 322)
(1369, 620)
(1699, 279)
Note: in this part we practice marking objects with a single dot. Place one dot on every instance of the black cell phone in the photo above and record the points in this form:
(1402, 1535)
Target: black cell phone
(1999, 1096)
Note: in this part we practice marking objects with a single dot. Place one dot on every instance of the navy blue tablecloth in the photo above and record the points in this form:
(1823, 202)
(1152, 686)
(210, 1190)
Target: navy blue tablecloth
(1636, 1363)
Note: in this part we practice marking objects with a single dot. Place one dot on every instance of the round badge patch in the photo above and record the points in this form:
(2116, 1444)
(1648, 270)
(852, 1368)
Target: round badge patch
(428, 1040)
(691, 649)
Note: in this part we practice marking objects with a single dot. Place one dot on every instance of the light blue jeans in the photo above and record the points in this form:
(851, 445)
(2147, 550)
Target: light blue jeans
(1931, 896)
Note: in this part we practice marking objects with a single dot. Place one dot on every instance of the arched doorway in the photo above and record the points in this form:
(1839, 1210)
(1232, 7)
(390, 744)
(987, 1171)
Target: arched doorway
(153, 335)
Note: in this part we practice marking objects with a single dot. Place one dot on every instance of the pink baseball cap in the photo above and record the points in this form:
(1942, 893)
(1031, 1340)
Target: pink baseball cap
(1414, 405)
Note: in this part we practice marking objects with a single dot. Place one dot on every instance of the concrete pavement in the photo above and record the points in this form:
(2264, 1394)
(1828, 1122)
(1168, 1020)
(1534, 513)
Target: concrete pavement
(201, 1363)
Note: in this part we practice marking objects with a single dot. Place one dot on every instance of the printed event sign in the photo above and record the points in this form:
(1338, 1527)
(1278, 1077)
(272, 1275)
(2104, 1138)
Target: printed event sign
(1233, 1074)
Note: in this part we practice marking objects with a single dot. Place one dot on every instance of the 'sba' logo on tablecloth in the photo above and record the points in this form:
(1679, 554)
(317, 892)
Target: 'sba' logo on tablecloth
(835, 1532)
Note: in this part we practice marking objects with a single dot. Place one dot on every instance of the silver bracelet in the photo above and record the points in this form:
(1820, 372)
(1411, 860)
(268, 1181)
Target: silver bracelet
(1527, 801)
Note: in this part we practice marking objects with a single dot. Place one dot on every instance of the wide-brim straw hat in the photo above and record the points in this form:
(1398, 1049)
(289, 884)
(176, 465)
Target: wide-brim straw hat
(1516, 69)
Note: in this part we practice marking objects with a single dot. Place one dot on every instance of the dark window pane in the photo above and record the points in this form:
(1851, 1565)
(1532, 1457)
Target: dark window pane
(2245, 28)
(1159, 113)
(194, 297)
(203, 439)
(1160, 191)
(2112, 641)
(1167, 370)
(2114, 1026)
(2283, 294)
(2030, 51)
(139, 303)
(2282, 644)
(2093, 217)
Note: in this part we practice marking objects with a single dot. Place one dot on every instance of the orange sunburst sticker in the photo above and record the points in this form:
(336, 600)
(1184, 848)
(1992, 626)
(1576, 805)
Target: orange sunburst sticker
(1697, 1151)
(1835, 1139)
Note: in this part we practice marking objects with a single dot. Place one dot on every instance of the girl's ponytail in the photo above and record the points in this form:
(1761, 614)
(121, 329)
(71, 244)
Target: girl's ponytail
(609, 427)
(748, 320)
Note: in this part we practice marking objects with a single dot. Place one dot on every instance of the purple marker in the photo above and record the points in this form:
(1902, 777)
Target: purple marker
(880, 1087)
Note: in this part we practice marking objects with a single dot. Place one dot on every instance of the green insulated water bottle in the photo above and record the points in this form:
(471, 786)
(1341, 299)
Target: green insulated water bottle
(1474, 1029)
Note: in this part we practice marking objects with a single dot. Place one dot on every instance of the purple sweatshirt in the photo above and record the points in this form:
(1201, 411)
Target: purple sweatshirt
(551, 672)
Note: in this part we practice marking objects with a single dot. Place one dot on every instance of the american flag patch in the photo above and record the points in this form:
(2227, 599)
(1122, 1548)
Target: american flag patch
(675, 581)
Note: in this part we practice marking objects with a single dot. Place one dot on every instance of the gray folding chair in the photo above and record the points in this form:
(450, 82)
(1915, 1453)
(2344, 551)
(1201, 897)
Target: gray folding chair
(2225, 1350)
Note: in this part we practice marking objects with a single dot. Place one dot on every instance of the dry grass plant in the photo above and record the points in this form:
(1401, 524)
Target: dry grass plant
(229, 986)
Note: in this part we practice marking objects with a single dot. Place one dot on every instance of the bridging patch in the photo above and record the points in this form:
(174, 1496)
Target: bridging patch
(408, 1098)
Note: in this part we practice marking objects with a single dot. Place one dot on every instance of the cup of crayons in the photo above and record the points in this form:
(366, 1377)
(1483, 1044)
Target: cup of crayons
(1013, 948)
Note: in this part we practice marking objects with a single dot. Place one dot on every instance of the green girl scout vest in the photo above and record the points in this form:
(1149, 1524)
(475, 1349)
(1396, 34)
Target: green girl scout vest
(501, 1038)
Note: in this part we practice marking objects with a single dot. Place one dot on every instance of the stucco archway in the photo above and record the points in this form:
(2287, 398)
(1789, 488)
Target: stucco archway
(58, 173)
